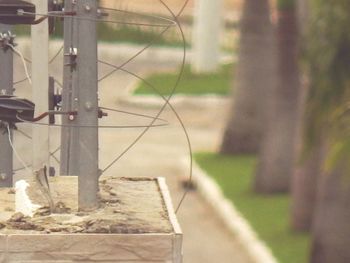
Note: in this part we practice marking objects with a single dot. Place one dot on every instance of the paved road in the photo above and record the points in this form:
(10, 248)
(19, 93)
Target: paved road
(160, 153)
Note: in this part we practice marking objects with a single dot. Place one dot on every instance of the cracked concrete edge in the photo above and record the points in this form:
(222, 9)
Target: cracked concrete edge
(231, 217)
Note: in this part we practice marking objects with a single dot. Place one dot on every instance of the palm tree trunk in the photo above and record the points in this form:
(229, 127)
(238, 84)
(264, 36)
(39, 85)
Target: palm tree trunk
(305, 188)
(306, 174)
(329, 64)
(303, 14)
(255, 76)
(278, 149)
(331, 233)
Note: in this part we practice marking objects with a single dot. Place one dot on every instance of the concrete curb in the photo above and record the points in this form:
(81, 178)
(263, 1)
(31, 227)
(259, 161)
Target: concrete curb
(153, 53)
(232, 218)
(178, 100)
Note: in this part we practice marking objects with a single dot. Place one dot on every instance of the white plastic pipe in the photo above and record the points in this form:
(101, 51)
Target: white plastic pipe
(207, 35)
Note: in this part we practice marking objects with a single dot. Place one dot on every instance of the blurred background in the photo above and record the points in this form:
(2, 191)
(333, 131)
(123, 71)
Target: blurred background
(263, 100)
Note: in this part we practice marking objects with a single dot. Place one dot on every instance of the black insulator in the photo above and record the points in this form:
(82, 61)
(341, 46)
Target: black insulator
(14, 110)
(15, 12)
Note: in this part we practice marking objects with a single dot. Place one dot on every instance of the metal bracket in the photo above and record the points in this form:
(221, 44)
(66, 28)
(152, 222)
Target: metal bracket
(73, 54)
(101, 113)
(14, 12)
(55, 100)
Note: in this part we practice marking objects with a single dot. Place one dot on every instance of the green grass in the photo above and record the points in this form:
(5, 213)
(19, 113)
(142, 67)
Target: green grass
(119, 34)
(191, 84)
(268, 215)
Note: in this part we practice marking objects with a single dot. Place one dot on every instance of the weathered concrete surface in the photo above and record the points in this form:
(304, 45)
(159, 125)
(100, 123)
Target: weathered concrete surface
(127, 206)
(89, 248)
(138, 209)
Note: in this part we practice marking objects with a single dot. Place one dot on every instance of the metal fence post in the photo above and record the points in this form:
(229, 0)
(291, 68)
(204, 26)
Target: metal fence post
(69, 135)
(88, 103)
(40, 79)
(6, 86)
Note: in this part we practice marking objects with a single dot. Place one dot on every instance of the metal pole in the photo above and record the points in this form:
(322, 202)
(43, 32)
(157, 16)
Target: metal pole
(40, 80)
(70, 135)
(206, 35)
(6, 86)
(88, 104)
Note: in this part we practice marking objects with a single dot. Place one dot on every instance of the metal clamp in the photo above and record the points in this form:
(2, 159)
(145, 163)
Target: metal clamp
(73, 54)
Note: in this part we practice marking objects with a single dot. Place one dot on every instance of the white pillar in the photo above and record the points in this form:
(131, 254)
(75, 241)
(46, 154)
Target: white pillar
(40, 79)
(303, 10)
(206, 35)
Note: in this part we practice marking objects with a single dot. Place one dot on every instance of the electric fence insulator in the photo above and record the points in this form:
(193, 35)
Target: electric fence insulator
(14, 12)
(14, 109)
(7, 39)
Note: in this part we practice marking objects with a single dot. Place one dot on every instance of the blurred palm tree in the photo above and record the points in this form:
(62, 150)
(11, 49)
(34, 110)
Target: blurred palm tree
(278, 149)
(310, 158)
(254, 78)
(328, 106)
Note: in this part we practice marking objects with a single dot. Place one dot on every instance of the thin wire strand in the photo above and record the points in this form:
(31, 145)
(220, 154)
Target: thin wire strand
(167, 99)
(55, 158)
(177, 116)
(139, 14)
(51, 155)
(130, 59)
(51, 14)
(15, 151)
(57, 149)
(151, 43)
(24, 134)
(21, 168)
(92, 126)
(189, 143)
(167, 103)
(25, 58)
(56, 55)
(23, 61)
(20, 81)
(182, 124)
(132, 113)
(58, 83)
(53, 58)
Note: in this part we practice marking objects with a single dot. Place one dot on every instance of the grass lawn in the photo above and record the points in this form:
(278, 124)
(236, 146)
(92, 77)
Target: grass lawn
(121, 34)
(191, 84)
(268, 215)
